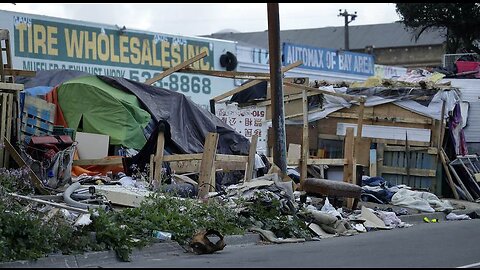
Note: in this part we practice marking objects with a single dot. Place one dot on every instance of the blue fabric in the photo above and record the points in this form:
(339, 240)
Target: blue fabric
(38, 90)
(375, 181)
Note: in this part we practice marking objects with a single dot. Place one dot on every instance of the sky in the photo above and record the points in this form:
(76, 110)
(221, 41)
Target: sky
(195, 19)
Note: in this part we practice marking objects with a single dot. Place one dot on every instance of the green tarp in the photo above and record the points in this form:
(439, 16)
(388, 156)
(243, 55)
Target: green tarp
(90, 105)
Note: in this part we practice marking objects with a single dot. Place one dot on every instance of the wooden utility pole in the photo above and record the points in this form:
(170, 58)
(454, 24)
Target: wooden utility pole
(278, 117)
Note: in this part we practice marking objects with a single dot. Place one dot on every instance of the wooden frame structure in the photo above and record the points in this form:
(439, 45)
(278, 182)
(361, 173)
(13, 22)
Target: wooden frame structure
(205, 163)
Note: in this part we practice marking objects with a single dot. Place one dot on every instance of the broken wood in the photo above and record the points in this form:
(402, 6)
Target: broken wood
(176, 68)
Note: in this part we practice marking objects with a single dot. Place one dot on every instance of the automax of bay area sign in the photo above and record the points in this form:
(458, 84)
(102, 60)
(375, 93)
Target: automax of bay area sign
(43, 43)
(329, 59)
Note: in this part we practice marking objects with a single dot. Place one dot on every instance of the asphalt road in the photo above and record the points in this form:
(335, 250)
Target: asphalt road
(435, 245)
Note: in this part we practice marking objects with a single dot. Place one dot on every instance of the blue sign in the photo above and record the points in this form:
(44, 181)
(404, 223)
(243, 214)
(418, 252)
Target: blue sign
(329, 59)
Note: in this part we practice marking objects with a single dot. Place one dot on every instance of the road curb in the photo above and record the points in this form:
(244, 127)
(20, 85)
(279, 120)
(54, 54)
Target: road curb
(93, 259)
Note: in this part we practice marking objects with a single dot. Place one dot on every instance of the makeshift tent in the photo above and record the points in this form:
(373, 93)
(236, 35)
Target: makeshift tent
(188, 123)
(90, 105)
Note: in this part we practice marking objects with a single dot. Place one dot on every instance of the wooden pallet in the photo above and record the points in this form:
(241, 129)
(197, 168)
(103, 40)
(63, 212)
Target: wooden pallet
(38, 117)
(9, 108)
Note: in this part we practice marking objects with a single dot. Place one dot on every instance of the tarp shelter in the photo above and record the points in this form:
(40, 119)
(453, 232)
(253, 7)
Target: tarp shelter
(52, 77)
(90, 105)
(188, 123)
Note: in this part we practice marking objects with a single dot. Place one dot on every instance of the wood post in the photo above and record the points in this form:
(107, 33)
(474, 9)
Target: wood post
(208, 162)
(349, 168)
(251, 158)
(158, 160)
(305, 146)
(348, 155)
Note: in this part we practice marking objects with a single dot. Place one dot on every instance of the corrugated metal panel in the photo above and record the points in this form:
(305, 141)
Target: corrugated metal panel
(470, 88)
(470, 91)
(472, 130)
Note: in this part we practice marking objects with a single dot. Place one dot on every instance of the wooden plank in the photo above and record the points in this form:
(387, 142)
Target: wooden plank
(3, 121)
(237, 90)
(182, 157)
(186, 166)
(251, 158)
(208, 162)
(380, 153)
(407, 160)
(348, 155)
(11, 86)
(413, 171)
(361, 110)
(37, 183)
(231, 158)
(102, 161)
(382, 119)
(230, 165)
(305, 147)
(158, 159)
(353, 181)
(176, 68)
(10, 119)
(319, 161)
(441, 127)
(252, 83)
(20, 72)
(229, 74)
(308, 88)
(449, 176)
(374, 140)
(362, 151)
(327, 161)
(429, 150)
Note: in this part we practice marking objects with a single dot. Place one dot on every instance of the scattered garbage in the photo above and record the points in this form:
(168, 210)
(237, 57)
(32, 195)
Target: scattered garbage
(162, 236)
(201, 244)
(453, 216)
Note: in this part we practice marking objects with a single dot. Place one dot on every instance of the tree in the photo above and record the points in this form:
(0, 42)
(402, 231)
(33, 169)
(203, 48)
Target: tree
(461, 20)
